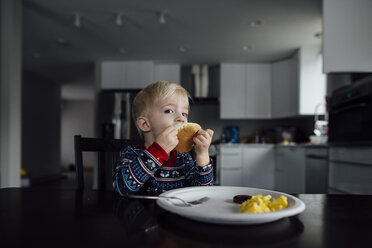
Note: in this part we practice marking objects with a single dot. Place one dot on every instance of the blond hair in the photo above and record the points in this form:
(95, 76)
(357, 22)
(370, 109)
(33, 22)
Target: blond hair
(146, 98)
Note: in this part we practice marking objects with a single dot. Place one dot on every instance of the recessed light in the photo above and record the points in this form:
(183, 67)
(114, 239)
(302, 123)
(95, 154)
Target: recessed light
(61, 41)
(77, 20)
(162, 17)
(119, 19)
(255, 23)
(182, 49)
(247, 48)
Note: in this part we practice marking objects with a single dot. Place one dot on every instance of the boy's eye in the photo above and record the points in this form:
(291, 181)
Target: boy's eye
(168, 111)
(185, 114)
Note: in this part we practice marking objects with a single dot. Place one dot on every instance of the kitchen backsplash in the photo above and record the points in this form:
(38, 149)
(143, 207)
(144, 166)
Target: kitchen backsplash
(208, 117)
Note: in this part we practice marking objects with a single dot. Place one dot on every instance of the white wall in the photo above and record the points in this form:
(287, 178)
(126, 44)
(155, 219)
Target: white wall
(77, 118)
(313, 81)
(10, 90)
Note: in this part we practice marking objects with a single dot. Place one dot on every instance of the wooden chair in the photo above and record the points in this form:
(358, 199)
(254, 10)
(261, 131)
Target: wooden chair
(108, 155)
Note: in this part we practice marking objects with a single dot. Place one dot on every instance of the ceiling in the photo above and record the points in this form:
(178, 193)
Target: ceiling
(207, 31)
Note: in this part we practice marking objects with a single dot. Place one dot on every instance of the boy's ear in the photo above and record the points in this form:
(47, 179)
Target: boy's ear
(143, 124)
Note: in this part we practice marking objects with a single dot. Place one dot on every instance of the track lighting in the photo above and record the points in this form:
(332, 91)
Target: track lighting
(162, 17)
(77, 21)
(119, 19)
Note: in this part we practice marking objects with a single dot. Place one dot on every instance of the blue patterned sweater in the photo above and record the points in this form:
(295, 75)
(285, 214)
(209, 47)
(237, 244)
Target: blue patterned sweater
(151, 171)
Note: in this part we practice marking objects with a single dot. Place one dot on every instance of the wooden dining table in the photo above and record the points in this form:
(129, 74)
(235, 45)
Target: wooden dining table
(72, 218)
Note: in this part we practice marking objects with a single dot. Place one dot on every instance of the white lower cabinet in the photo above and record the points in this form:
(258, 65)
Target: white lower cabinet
(258, 167)
(247, 165)
(230, 162)
(290, 169)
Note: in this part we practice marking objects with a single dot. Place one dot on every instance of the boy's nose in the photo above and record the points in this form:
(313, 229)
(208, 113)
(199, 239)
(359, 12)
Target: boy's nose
(181, 118)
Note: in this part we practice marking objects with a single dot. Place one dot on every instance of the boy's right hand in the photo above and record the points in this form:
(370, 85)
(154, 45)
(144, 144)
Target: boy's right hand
(168, 139)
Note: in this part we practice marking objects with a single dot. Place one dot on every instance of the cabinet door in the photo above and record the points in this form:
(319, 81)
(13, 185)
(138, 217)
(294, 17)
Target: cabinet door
(258, 167)
(231, 177)
(126, 75)
(168, 72)
(112, 75)
(290, 169)
(230, 166)
(232, 91)
(138, 74)
(258, 84)
(284, 93)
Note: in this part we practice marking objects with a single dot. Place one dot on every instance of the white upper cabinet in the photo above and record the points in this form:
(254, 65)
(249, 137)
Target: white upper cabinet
(258, 84)
(232, 91)
(126, 74)
(298, 84)
(168, 72)
(347, 36)
(245, 91)
(284, 89)
(290, 87)
(135, 74)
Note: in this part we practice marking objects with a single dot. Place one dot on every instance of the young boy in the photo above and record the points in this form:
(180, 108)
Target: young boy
(155, 166)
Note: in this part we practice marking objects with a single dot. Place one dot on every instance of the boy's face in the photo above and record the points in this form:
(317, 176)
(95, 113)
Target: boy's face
(168, 112)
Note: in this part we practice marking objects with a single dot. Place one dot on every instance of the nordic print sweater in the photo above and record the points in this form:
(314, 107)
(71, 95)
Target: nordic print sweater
(151, 171)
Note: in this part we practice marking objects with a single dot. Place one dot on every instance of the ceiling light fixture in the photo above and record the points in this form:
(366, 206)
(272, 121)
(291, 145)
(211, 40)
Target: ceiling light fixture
(61, 41)
(182, 49)
(246, 48)
(119, 19)
(77, 20)
(255, 23)
(162, 17)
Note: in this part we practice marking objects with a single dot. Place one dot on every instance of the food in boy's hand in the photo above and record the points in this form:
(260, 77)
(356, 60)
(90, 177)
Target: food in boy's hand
(186, 132)
(241, 198)
(263, 204)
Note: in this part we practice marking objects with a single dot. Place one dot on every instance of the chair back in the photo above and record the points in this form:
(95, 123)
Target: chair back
(108, 155)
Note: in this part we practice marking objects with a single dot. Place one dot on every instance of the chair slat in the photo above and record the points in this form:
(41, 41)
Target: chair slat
(103, 147)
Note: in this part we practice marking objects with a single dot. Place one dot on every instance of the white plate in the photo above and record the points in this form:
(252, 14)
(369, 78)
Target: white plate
(221, 209)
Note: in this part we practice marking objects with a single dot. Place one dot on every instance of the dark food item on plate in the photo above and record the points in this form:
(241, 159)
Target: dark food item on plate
(241, 198)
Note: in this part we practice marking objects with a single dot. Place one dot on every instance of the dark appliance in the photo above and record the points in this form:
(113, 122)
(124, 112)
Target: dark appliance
(350, 113)
(115, 114)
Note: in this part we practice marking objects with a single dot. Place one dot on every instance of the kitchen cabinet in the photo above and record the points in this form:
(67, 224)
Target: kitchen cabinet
(168, 72)
(230, 164)
(316, 170)
(126, 75)
(258, 166)
(347, 37)
(298, 84)
(245, 91)
(135, 74)
(290, 169)
(284, 90)
(290, 87)
(247, 165)
(350, 169)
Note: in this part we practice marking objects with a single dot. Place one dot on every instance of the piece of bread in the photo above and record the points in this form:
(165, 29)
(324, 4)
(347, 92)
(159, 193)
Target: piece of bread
(186, 132)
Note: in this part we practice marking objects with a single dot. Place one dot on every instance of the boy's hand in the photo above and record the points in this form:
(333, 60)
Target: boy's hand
(168, 139)
(202, 142)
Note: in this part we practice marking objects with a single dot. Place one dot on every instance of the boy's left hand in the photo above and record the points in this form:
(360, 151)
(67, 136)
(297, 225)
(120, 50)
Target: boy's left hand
(202, 142)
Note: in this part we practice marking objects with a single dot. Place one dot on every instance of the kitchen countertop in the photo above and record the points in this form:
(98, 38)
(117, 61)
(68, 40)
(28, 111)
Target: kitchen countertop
(274, 145)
